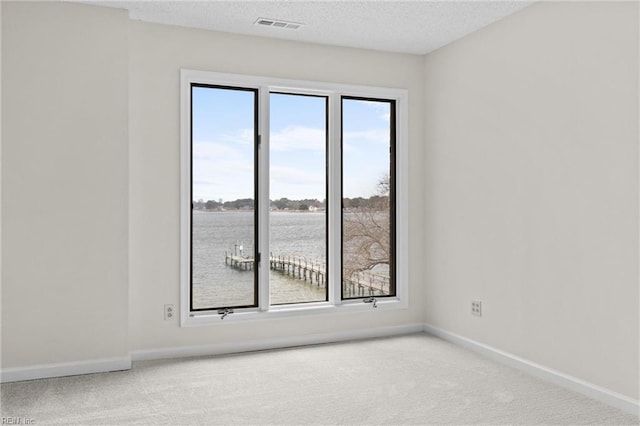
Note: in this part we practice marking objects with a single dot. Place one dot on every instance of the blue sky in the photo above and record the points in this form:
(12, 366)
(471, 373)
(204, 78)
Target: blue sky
(223, 129)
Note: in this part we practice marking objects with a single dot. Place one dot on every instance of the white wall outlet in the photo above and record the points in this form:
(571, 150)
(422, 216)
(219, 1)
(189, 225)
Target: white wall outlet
(476, 308)
(169, 312)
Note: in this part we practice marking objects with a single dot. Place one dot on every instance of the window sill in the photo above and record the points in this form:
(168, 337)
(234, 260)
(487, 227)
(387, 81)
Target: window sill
(212, 318)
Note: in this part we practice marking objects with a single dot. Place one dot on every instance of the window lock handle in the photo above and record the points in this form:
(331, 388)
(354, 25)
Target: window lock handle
(371, 300)
(224, 312)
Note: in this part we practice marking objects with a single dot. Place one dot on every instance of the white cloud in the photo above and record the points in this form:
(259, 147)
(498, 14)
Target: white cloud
(222, 171)
(356, 142)
(224, 168)
(298, 138)
(244, 137)
(383, 109)
(296, 183)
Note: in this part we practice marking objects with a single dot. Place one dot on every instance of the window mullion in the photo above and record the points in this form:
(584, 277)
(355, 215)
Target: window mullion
(263, 198)
(334, 200)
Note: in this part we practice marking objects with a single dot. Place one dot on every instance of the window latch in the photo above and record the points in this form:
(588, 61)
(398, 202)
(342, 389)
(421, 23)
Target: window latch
(371, 300)
(224, 312)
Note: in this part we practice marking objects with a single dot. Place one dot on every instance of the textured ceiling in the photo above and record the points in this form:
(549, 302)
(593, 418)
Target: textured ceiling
(415, 27)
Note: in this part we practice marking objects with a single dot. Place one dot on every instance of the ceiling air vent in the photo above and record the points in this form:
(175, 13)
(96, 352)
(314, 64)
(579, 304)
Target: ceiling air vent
(265, 22)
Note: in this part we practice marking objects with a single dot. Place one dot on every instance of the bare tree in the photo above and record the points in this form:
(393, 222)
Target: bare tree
(384, 185)
(367, 233)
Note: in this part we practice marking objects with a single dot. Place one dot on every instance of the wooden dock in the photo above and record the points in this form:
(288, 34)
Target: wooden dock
(235, 258)
(314, 271)
(366, 283)
(239, 262)
(363, 283)
(299, 267)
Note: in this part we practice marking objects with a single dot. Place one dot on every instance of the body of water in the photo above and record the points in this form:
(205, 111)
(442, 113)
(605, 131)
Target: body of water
(216, 233)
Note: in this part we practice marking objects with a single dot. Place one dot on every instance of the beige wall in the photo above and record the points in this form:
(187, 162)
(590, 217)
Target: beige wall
(64, 183)
(532, 188)
(157, 52)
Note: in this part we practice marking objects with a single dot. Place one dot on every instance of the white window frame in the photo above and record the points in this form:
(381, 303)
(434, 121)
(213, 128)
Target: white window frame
(334, 92)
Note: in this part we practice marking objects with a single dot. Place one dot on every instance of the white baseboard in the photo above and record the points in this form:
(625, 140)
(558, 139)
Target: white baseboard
(278, 343)
(115, 364)
(64, 369)
(573, 383)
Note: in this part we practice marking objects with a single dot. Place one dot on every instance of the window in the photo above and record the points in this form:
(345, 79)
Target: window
(290, 198)
(223, 180)
(298, 198)
(368, 190)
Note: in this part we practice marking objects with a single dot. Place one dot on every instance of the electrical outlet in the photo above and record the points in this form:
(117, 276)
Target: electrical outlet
(169, 312)
(476, 308)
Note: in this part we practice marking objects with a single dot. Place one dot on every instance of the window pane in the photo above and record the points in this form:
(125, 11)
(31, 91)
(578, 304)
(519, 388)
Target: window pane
(223, 219)
(298, 187)
(367, 198)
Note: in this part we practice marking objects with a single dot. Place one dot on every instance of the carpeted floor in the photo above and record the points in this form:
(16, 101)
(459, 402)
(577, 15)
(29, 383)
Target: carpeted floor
(415, 379)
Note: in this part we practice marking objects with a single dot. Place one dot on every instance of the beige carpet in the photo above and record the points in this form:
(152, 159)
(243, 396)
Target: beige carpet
(416, 379)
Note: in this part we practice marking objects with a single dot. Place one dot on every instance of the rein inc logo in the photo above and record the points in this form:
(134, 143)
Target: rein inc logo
(18, 421)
